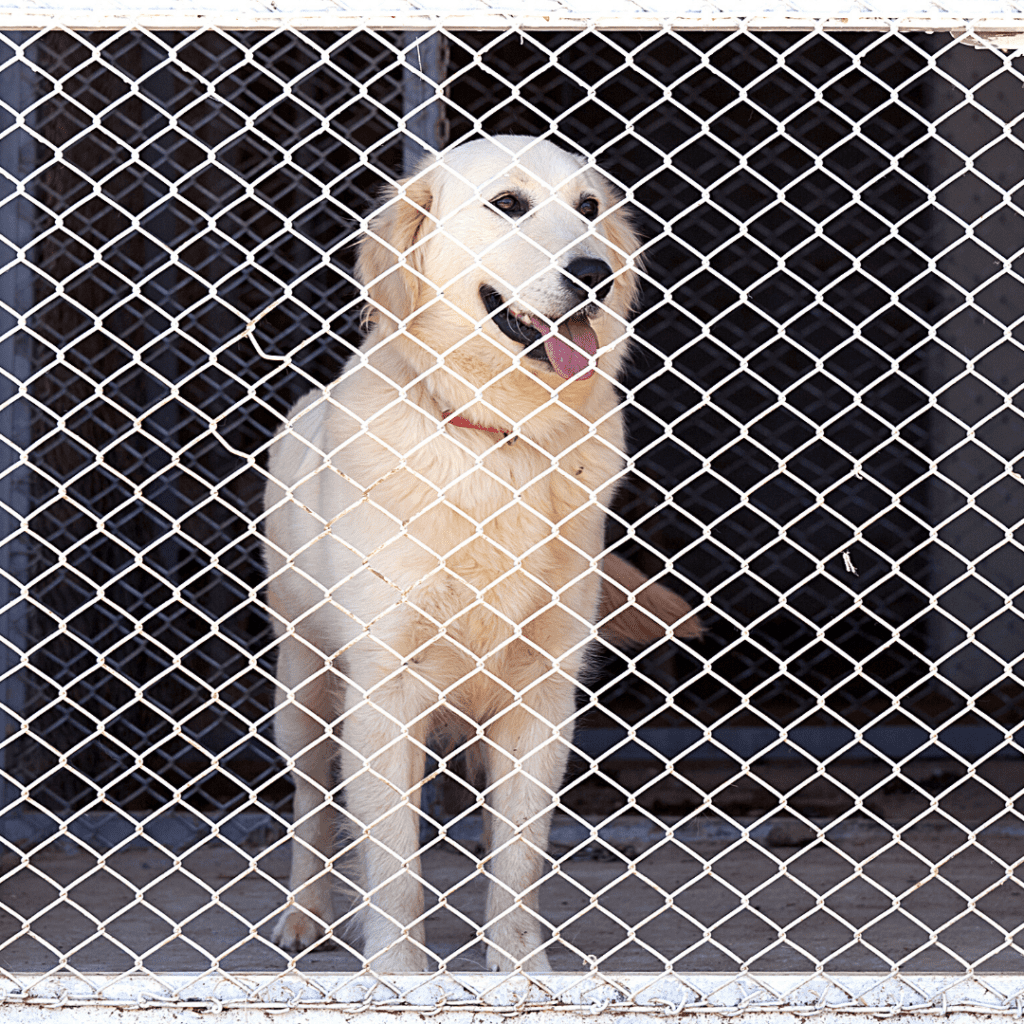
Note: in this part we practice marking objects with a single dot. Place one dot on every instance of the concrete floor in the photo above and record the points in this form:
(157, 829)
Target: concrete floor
(88, 911)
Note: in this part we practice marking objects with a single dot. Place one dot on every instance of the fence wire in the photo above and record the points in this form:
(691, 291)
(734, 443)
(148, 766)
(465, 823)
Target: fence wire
(822, 412)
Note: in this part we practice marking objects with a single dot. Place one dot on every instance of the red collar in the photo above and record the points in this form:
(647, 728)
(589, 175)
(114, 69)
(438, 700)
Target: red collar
(461, 421)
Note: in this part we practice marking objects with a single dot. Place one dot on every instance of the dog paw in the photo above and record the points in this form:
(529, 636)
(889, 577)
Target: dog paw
(402, 958)
(296, 930)
(499, 960)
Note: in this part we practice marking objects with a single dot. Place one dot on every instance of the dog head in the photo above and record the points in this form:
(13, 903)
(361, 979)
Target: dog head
(504, 250)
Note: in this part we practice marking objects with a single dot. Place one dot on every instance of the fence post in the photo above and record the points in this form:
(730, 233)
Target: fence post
(17, 234)
(425, 67)
(979, 335)
(426, 132)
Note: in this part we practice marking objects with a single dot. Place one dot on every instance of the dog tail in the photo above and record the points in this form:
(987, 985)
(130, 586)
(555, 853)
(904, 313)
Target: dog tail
(655, 610)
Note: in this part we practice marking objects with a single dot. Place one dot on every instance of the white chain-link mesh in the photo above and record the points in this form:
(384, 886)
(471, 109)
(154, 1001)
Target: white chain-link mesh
(822, 409)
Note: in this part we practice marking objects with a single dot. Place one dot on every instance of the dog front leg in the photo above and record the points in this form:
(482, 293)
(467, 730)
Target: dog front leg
(302, 732)
(525, 765)
(384, 760)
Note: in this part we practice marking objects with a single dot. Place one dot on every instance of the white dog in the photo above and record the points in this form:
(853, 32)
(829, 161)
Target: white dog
(435, 526)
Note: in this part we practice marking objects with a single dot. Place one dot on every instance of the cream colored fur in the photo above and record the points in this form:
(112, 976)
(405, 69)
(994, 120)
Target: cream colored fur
(423, 574)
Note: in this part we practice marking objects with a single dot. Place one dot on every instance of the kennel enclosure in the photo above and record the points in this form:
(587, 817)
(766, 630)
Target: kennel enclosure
(817, 807)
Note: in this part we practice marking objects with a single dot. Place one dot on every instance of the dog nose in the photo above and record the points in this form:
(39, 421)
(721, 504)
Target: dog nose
(588, 278)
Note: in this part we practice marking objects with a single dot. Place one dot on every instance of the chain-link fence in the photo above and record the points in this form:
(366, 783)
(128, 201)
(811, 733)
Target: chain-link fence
(820, 445)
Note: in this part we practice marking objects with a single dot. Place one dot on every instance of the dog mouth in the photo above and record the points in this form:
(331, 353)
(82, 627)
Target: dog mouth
(568, 347)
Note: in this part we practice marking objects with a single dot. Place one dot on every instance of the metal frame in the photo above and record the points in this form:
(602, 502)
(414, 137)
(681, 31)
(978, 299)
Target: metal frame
(565, 997)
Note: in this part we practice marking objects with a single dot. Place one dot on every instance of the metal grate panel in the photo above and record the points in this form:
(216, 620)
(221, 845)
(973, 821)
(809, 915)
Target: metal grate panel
(823, 428)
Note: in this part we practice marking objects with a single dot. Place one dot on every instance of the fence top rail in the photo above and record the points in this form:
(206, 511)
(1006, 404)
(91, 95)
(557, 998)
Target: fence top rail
(991, 19)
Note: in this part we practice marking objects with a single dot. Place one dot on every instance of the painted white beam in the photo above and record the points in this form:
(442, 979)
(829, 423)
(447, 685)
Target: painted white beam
(837, 999)
(1004, 17)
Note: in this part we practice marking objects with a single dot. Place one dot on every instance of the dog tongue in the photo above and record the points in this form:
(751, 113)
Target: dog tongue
(570, 355)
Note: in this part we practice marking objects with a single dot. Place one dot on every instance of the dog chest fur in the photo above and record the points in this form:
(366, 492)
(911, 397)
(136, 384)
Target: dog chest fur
(481, 550)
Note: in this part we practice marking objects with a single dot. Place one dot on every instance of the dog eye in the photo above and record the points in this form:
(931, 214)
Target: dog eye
(510, 204)
(588, 207)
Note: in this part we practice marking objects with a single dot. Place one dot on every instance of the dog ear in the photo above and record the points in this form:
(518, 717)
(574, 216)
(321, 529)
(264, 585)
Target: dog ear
(390, 254)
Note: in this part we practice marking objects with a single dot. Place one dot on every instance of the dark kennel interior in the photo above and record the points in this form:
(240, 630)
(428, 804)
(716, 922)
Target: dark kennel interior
(803, 303)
